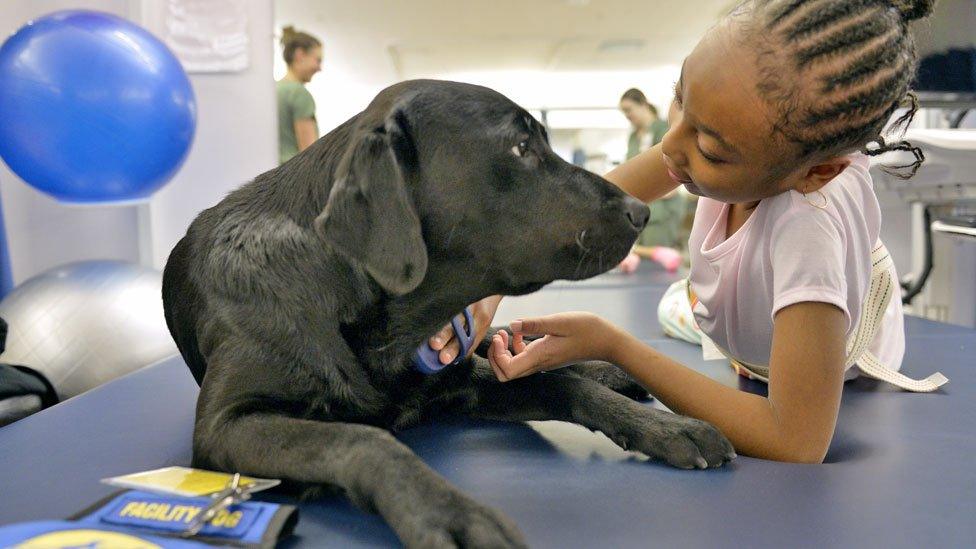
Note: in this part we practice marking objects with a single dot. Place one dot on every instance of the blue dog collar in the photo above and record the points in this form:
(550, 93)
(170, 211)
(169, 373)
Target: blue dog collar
(427, 361)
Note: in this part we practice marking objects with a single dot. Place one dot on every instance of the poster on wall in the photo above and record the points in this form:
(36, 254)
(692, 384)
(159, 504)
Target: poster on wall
(206, 35)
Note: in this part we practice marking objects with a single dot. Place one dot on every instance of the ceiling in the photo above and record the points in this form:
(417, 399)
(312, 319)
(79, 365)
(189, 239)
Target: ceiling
(425, 38)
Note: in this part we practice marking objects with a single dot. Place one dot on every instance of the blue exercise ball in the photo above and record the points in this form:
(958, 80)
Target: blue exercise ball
(93, 108)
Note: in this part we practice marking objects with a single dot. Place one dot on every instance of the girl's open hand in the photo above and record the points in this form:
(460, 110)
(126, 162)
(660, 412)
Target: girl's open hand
(568, 338)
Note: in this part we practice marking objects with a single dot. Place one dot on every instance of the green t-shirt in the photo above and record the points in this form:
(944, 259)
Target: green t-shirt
(667, 214)
(657, 130)
(294, 103)
(665, 225)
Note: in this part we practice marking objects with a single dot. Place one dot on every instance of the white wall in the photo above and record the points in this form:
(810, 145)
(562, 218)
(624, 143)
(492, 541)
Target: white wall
(952, 25)
(236, 139)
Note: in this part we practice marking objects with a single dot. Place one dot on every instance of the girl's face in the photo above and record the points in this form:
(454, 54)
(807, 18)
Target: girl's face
(306, 63)
(721, 143)
(639, 116)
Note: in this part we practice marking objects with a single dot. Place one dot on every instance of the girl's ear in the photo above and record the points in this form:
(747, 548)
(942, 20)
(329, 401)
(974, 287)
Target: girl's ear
(821, 173)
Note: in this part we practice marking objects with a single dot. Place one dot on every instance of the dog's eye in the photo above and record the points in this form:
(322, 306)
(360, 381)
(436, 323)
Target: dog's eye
(520, 149)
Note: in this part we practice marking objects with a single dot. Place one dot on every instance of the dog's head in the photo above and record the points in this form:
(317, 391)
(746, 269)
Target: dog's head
(450, 175)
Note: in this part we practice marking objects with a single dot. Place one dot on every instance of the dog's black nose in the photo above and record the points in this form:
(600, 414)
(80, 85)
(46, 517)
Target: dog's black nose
(637, 212)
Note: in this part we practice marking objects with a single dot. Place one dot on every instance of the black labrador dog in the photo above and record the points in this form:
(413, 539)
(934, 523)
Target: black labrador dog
(299, 299)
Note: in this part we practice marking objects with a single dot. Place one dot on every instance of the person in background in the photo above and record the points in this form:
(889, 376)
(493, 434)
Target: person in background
(649, 129)
(662, 239)
(297, 128)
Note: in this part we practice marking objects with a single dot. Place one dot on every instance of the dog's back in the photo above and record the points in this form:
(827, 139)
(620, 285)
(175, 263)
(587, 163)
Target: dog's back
(275, 211)
(181, 301)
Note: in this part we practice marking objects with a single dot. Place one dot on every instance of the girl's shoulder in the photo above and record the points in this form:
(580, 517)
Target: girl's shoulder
(847, 202)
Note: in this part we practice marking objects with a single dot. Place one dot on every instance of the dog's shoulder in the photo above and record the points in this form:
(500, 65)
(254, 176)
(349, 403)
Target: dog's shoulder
(245, 239)
(256, 253)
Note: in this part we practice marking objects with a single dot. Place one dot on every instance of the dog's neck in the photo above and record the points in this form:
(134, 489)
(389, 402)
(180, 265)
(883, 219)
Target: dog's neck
(413, 318)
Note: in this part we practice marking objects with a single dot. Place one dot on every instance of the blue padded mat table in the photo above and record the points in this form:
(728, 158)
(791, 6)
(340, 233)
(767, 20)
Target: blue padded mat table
(897, 474)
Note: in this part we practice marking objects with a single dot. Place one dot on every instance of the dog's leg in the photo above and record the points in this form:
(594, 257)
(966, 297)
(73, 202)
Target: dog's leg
(609, 376)
(681, 441)
(604, 373)
(376, 472)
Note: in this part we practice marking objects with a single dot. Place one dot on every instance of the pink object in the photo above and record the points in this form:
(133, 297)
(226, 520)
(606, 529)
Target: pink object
(630, 263)
(669, 258)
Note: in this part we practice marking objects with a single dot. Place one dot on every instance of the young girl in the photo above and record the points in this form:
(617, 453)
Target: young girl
(788, 277)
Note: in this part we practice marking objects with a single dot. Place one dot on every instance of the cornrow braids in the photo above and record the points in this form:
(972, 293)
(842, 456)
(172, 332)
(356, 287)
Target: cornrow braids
(852, 63)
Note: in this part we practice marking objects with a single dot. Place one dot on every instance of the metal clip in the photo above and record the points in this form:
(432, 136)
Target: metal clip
(223, 499)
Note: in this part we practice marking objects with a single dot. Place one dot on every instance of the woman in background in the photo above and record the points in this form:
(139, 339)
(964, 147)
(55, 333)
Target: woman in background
(664, 236)
(648, 128)
(297, 128)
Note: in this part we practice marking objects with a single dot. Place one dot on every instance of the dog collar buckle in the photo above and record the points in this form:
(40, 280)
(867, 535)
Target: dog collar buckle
(427, 361)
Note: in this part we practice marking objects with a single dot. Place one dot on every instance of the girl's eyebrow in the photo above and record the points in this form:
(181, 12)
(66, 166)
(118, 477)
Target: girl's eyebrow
(707, 130)
(718, 137)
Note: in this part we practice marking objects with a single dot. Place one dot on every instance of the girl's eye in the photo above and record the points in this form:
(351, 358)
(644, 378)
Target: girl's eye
(520, 149)
(710, 158)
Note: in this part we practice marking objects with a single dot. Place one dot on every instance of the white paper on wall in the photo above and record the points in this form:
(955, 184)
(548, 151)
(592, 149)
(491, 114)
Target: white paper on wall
(207, 35)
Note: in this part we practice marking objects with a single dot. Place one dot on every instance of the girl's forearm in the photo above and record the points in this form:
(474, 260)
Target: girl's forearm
(748, 420)
(645, 176)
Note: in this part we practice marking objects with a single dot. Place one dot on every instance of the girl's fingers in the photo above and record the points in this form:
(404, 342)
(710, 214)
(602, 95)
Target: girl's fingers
(450, 351)
(557, 324)
(518, 342)
(504, 336)
(497, 355)
(440, 339)
(533, 358)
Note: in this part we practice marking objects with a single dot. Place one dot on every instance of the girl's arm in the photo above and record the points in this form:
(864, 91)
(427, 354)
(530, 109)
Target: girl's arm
(644, 176)
(306, 132)
(796, 421)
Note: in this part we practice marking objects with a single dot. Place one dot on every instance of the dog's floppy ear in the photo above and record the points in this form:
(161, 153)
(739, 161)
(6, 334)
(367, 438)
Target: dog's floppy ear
(369, 216)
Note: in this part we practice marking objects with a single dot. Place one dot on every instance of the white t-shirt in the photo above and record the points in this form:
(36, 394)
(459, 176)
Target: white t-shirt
(789, 251)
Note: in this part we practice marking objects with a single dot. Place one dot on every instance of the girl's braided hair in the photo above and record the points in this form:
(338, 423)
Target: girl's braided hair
(852, 63)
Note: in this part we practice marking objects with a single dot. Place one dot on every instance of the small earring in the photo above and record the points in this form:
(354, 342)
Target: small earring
(820, 206)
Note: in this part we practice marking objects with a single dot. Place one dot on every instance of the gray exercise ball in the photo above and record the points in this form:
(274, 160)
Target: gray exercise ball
(86, 323)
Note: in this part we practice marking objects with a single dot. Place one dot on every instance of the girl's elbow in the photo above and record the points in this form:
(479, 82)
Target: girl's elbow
(804, 452)
(809, 458)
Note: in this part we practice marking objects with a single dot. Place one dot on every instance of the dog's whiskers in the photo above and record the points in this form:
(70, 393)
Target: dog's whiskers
(579, 241)
(579, 265)
(384, 347)
(450, 235)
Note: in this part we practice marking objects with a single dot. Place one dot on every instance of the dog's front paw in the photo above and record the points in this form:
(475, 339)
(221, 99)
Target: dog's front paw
(458, 521)
(678, 440)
